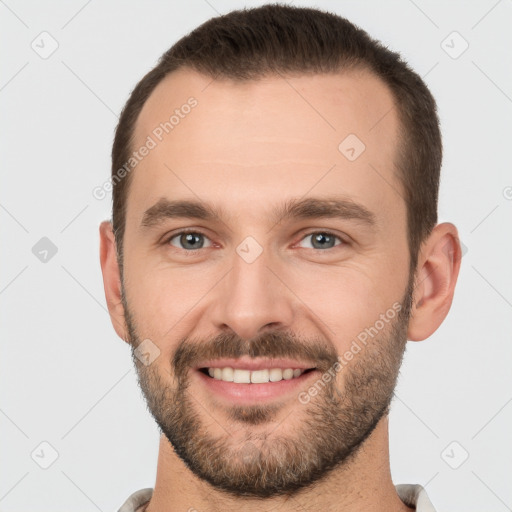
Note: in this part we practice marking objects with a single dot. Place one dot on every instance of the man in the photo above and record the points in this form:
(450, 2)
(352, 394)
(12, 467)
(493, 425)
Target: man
(273, 246)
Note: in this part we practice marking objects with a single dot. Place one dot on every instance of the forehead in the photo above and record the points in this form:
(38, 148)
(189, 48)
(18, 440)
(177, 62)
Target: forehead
(242, 144)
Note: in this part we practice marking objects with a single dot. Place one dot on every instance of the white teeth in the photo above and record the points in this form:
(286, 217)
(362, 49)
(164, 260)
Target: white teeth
(240, 376)
(227, 374)
(259, 376)
(275, 375)
(288, 374)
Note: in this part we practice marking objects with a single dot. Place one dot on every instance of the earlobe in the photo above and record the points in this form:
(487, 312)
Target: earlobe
(438, 269)
(112, 279)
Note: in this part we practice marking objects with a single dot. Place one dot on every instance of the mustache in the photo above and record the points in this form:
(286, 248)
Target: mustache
(190, 353)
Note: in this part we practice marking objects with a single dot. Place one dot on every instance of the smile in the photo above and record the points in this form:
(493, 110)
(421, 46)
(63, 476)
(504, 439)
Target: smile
(253, 380)
(244, 376)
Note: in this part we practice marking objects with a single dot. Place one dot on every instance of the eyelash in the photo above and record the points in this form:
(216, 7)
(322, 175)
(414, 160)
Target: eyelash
(199, 232)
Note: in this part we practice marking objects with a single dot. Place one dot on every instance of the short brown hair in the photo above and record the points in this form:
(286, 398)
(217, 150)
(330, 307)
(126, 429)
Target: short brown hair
(250, 43)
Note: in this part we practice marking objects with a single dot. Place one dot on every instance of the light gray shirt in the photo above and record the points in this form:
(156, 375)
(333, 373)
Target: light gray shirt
(411, 495)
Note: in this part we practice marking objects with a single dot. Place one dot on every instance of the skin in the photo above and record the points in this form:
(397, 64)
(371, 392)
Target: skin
(248, 147)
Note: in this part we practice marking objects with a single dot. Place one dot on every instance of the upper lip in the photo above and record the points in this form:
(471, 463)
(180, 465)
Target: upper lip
(253, 364)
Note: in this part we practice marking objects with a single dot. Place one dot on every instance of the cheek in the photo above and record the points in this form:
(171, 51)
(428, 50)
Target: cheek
(164, 299)
(342, 300)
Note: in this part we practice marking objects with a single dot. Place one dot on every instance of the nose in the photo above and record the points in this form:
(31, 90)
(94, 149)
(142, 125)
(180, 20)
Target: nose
(253, 297)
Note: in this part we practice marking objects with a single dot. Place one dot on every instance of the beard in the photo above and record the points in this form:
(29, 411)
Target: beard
(252, 457)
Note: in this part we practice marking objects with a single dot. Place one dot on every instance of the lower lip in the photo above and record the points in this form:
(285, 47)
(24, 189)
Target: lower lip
(254, 393)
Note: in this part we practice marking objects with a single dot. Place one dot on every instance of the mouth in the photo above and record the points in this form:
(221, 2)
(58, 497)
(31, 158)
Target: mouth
(245, 376)
(252, 381)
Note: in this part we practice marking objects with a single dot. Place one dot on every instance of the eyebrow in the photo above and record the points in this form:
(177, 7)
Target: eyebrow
(300, 209)
(317, 208)
(182, 209)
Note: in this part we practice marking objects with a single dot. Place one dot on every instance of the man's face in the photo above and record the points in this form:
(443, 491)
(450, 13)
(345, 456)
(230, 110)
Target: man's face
(325, 292)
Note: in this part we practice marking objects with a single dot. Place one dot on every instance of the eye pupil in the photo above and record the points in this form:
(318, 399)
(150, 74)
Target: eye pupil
(190, 238)
(323, 239)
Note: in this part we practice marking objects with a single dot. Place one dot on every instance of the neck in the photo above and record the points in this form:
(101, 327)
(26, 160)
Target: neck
(364, 484)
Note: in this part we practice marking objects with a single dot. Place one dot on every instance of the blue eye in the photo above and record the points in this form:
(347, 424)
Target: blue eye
(321, 240)
(189, 240)
(194, 240)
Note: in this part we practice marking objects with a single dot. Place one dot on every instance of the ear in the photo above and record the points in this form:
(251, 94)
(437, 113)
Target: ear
(437, 271)
(112, 279)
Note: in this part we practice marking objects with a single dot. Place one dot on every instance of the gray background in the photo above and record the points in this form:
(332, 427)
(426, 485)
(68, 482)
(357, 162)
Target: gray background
(67, 380)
